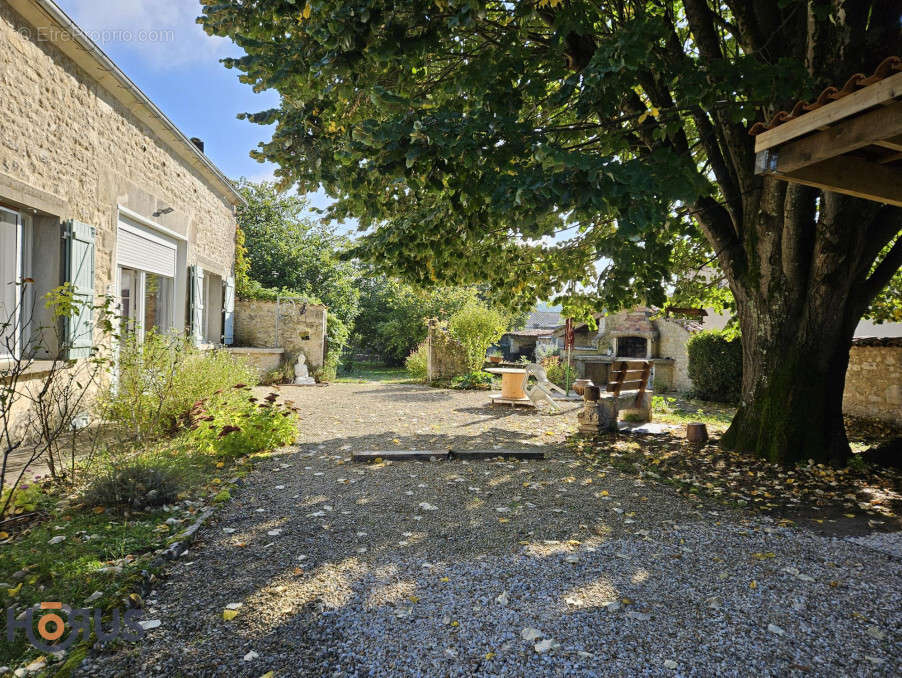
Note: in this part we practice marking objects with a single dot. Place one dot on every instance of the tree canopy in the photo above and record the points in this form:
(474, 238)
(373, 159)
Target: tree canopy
(519, 144)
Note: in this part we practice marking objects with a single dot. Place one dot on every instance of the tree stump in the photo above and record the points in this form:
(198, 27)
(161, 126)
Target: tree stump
(696, 433)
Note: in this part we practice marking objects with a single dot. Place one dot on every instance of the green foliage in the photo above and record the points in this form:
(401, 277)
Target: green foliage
(160, 379)
(476, 327)
(236, 423)
(887, 305)
(393, 314)
(137, 483)
(26, 498)
(715, 366)
(416, 363)
(558, 372)
(476, 380)
(287, 251)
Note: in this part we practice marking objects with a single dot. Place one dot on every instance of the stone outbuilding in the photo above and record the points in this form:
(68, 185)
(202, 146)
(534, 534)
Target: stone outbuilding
(640, 332)
(98, 188)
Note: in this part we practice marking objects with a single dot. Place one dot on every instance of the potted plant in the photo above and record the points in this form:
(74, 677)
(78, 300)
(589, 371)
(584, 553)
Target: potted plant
(494, 355)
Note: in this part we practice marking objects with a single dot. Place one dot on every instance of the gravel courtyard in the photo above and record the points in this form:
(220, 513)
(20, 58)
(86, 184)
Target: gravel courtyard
(534, 568)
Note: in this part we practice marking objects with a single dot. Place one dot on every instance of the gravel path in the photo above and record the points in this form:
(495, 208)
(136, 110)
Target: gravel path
(538, 568)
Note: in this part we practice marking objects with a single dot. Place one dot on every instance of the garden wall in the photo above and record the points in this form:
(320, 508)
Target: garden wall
(263, 360)
(874, 379)
(292, 325)
(446, 358)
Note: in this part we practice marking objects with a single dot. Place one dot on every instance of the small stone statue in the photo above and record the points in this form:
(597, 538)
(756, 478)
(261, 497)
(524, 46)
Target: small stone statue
(301, 373)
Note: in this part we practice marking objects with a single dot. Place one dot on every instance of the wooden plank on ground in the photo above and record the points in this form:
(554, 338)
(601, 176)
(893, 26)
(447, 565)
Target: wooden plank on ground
(399, 455)
(867, 97)
(494, 454)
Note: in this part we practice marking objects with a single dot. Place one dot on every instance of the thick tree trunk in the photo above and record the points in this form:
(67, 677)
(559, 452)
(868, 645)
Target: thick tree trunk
(793, 380)
(800, 271)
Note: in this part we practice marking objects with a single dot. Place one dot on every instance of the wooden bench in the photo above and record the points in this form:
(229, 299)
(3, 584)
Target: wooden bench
(627, 389)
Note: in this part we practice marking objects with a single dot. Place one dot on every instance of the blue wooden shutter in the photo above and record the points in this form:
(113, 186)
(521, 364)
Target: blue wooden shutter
(196, 274)
(79, 329)
(228, 312)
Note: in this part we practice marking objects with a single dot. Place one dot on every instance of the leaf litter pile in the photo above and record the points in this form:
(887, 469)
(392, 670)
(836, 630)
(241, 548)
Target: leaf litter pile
(858, 499)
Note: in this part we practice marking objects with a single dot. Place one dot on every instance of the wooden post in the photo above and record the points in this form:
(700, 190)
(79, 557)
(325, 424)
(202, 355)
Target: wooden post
(429, 352)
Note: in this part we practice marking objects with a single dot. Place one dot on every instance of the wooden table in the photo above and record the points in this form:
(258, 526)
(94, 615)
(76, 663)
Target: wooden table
(511, 385)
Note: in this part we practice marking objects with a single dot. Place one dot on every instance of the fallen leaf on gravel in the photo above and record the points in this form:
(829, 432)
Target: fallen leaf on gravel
(763, 556)
(530, 634)
(503, 599)
(544, 645)
(229, 615)
(875, 633)
(489, 655)
(753, 584)
(444, 579)
(268, 674)
(670, 664)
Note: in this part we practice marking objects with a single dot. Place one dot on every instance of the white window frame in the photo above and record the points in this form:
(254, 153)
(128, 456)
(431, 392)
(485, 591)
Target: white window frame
(25, 297)
(179, 282)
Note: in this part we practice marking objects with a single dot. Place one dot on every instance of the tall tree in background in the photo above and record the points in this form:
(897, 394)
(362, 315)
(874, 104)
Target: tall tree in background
(464, 133)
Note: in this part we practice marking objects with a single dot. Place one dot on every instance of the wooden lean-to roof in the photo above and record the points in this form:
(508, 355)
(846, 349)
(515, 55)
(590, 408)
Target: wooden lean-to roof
(848, 140)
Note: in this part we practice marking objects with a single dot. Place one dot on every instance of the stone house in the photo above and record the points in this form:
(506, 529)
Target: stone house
(539, 331)
(640, 332)
(98, 188)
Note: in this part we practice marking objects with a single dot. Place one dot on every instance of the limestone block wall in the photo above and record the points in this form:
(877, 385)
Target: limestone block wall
(69, 148)
(874, 379)
(263, 360)
(300, 327)
(672, 341)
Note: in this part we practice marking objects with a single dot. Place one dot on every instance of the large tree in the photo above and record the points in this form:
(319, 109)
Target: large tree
(464, 134)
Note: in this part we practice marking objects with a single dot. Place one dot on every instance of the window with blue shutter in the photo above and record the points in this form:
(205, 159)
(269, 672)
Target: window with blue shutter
(228, 312)
(79, 328)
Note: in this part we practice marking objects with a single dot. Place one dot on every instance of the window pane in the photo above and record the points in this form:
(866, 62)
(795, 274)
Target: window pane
(8, 279)
(157, 302)
(128, 281)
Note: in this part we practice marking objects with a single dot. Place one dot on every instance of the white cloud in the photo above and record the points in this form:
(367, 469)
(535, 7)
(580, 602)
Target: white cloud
(163, 32)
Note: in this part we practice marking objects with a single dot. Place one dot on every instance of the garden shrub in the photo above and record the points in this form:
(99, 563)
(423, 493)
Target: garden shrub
(416, 363)
(559, 373)
(26, 497)
(715, 366)
(473, 380)
(160, 379)
(476, 327)
(135, 483)
(235, 423)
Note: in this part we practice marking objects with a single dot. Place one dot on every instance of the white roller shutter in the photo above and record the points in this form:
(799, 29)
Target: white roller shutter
(144, 249)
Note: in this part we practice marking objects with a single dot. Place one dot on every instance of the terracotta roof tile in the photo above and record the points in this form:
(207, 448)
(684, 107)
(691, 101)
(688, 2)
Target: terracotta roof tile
(886, 68)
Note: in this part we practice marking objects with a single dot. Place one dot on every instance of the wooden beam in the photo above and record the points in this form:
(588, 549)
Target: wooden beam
(851, 176)
(867, 97)
(877, 125)
(892, 144)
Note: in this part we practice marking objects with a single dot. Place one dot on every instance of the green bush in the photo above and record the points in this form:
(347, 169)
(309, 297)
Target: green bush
(235, 423)
(136, 483)
(161, 378)
(715, 366)
(474, 380)
(416, 363)
(558, 372)
(476, 327)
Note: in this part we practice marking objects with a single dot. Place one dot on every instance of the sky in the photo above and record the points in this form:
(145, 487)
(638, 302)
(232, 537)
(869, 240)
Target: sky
(158, 44)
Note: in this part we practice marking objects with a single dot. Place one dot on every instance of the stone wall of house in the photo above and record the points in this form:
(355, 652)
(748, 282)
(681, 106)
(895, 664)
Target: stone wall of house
(874, 379)
(671, 343)
(301, 327)
(71, 149)
(263, 360)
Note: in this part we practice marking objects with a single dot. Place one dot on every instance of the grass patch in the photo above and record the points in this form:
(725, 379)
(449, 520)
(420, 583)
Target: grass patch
(677, 410)
(362, 373)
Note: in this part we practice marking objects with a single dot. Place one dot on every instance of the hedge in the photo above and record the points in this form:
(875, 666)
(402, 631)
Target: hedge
(715, 366)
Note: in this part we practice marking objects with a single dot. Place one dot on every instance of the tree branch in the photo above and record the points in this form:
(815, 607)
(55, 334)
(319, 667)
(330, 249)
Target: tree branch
(881, 276)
